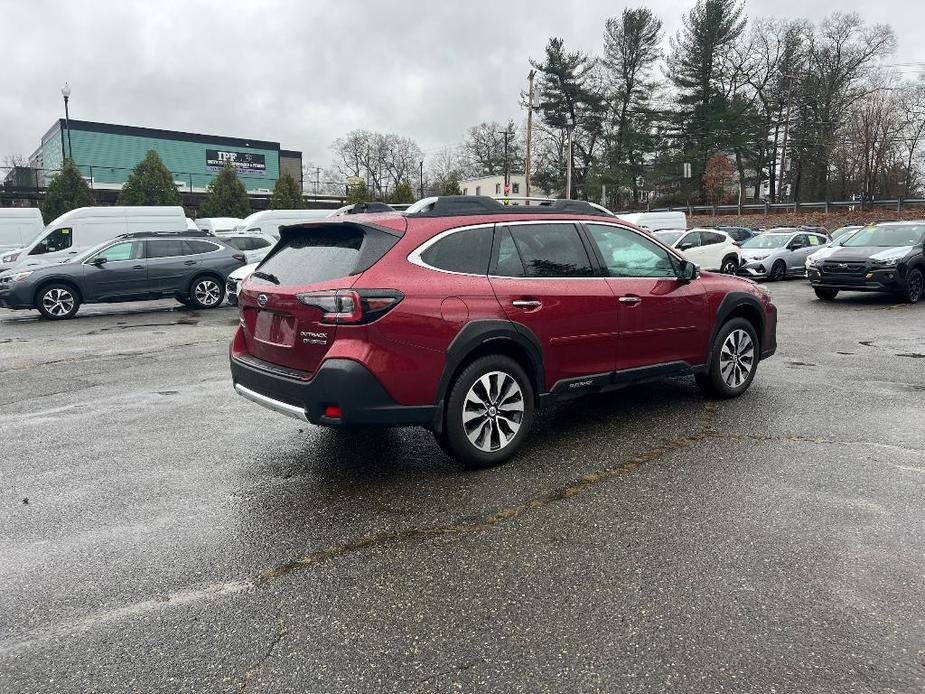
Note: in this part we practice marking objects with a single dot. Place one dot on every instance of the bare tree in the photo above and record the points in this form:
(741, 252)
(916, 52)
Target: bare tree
(483, 148)
(382, 160)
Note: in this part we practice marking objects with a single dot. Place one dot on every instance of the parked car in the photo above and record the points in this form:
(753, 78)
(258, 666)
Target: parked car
(255, 245)
(887, 257)
(83, 228)
(841, 231)
(709, 248)
(827, 250)
(133, 267)
(269, 221)
(218, 225)
(233, 284)
(656, 221)
(465, 316)
(779, 253)
(18, 226)
(739, 234)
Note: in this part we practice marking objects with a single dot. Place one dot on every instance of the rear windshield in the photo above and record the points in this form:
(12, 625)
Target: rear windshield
(306, 256)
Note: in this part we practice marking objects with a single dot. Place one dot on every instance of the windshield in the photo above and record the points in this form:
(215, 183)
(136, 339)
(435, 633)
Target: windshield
(668, 237)
(766, 241)
(843, 231)
(888, 236)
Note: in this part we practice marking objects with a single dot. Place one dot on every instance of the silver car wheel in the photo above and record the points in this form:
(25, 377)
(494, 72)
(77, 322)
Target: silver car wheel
(58, 302)
(493, 411)
(736, 358)
(207, 292)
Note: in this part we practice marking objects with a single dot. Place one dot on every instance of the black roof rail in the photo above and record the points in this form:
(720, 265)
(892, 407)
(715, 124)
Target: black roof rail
(459, 205)
(199, 233)
(370, 207)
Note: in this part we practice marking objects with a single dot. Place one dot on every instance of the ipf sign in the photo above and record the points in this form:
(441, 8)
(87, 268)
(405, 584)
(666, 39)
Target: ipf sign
(243, 162)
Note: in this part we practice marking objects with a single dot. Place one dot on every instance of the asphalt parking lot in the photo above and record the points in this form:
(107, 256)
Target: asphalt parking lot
(161, 534)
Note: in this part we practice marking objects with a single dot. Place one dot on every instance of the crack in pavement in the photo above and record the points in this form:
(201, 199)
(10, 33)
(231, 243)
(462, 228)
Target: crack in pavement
(281, 632)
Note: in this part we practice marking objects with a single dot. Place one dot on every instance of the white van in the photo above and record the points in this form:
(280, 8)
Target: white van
(217, 225)
(654, 221)
(18, 226)
(84, 227)
(269, 221)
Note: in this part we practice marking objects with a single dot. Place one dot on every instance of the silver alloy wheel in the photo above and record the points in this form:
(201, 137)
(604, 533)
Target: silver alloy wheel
(729, 267)
(493, 411)
(736, 358)
(207, 292)
(58, 302)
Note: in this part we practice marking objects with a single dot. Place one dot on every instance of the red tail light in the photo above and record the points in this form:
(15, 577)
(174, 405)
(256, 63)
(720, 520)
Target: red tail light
(737, 244)
(240, 257)
(349, 306)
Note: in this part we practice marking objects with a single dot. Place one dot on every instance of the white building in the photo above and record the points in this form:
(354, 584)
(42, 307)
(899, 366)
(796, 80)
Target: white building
(494, 186)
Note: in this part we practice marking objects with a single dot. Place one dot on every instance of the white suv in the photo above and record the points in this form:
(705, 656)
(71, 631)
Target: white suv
(711, 249)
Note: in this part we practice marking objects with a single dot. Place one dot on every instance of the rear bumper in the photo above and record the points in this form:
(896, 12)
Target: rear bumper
(343, 383)
(769, 346)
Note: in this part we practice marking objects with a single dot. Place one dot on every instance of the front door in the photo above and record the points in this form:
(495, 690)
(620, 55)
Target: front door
(544, 279)
(662, 318)
(170, 268)
(122, 277)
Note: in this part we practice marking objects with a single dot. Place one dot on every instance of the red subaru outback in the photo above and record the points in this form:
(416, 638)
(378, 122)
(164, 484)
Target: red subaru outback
(465, 316)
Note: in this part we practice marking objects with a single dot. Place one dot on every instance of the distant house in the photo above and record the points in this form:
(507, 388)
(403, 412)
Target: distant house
(494, 186)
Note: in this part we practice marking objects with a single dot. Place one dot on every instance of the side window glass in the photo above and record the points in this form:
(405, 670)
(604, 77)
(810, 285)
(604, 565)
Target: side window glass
(257, 242)
(628, 254)
(58, 240)
(799, 241)
(708, 238)
(197, 247)
(814, 240)
(463, 251)
(689, 240)
(551, 250)
(166, 248)
(509, 263)
(129, 250)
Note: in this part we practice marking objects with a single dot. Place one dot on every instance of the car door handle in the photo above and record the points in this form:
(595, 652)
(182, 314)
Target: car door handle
(138, 267)
(190, 262)
(630, 299)
(527, 303)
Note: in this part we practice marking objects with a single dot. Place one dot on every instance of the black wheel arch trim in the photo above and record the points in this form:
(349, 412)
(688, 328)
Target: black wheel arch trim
(477, 333)
(731, 302)
(65, 280)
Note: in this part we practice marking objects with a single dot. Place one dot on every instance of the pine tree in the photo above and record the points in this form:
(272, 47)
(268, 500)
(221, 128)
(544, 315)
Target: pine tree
(286, 194)
(226, 196)
(402, 194)
(451, 185)
(150, 183)
(67, 191)
(359, 192)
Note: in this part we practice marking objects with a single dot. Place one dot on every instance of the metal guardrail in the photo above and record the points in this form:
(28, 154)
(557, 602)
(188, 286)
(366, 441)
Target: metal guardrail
(897, 205)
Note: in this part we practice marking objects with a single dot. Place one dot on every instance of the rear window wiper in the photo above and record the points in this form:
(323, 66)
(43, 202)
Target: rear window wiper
(268, 276)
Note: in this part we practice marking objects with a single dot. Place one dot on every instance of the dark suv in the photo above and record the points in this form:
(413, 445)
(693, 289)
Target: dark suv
(884, 257)
(192, 267)
(464, 316)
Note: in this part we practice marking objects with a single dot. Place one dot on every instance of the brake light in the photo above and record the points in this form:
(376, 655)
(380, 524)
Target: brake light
(240, 257)
(348, 306)
(332, 411)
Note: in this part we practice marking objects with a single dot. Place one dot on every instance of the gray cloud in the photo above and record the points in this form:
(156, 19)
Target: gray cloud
(305, 73)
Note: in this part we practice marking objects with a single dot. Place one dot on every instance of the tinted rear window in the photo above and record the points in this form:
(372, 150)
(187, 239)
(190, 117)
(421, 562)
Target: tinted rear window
(463, 251)
(242, 243)
(551, 250)
(165, 248)
(318, 254)
(197, 247)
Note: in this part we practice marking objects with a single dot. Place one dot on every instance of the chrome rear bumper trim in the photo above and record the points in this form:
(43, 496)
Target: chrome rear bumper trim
(271, 404)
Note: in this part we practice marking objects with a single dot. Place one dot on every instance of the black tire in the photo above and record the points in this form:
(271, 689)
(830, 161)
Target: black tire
(825, 293)
(778, 271)
(915, 285)
(730, 265)
(490, 425)
(717, 382)
(206, 291)
(57, 301)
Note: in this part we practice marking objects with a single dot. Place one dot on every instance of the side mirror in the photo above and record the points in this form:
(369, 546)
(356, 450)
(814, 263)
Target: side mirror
(100, 261)
(685, 246)
(688, 271)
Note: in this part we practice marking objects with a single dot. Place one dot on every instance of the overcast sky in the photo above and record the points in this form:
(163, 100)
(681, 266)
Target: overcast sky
(304, 73)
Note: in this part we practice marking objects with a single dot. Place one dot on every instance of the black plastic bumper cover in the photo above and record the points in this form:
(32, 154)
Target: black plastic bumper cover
(347, 384)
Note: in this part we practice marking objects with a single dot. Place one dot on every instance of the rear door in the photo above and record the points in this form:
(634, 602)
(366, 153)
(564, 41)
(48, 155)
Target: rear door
(799, 249)
(662, 319)
(170, 267)
(287, 304)
(691, 248)
(544, 279)
(713, 246)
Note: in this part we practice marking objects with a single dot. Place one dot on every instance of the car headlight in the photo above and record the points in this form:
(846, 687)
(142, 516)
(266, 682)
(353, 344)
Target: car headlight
(20, 276)
(758, 257)
(812, 262)
(886, 263)
(9, 258)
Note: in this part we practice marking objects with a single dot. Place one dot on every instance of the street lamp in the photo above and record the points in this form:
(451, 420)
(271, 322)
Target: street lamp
(66, 93)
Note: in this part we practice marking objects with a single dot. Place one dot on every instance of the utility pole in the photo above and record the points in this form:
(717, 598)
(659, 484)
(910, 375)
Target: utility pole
(422, 180)
(568, 164)
(528, 163)
(317, 180)
(507, 161)
(783, 149)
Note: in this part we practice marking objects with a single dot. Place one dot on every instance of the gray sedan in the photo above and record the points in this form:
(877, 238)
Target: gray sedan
(779, 253)
(133, 267)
